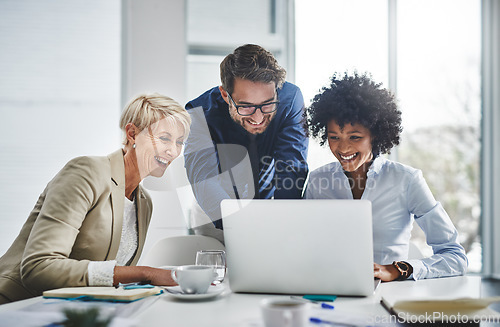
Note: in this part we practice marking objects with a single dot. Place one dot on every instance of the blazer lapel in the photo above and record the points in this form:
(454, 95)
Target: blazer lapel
(117, 200)
(143, 217)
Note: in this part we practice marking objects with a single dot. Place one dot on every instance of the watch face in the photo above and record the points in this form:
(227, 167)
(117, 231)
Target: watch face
(402, 266)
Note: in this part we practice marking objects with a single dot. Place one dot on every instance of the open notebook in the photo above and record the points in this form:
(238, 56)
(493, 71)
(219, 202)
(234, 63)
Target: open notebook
(441, 300)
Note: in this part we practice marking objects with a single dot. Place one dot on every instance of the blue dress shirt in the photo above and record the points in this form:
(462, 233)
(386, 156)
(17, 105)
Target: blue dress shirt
(399, 195)
(216, 149)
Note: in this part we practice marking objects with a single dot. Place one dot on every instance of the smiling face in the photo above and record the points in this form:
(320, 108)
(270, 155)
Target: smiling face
(157, 146)
(251, 93)
(351, 145)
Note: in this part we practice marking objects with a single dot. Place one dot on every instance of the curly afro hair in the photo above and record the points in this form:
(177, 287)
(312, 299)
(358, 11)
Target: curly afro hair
(357, 99)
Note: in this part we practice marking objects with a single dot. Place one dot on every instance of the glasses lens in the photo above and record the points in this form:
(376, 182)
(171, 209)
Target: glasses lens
(249, 110)
(270, 107)
(246, 110)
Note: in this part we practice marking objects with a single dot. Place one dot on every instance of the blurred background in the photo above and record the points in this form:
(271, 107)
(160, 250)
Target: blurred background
(67, 68)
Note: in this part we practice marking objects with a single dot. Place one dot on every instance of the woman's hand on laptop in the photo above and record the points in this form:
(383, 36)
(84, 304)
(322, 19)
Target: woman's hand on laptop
(386, 273)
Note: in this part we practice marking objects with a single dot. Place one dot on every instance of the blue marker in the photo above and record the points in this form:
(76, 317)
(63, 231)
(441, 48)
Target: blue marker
(320, 297)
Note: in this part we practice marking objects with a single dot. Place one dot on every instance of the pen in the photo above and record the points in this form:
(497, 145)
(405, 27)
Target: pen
(315, 320)
(143, 284)
(125, 284)
(323, 305)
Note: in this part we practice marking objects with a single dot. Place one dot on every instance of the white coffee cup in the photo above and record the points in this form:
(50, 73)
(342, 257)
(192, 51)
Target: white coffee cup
(194, 279)
(284, 312)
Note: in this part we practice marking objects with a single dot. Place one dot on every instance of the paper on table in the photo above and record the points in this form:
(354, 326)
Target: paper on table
(29, 319)
(36, 319)
(47, 311)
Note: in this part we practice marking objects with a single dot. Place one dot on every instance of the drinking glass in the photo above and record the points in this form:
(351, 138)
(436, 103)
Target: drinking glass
(215, 259)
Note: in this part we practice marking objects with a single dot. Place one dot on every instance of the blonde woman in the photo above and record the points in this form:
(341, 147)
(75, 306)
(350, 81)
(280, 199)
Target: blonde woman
(89, 225)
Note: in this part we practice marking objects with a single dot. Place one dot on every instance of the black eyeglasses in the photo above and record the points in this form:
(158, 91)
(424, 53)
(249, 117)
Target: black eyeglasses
(250, 109)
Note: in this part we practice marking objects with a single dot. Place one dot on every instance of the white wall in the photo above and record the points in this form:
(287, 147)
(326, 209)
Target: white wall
(154, 60)
(59, 95)
(154, 48)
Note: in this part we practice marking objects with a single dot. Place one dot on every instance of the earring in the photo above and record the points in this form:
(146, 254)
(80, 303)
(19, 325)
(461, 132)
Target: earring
(133, 145)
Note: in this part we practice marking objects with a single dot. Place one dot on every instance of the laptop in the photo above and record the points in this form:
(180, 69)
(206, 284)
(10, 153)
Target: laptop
(299, 246)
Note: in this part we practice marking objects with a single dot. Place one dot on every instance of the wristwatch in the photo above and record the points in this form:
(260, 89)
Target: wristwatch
(404, 268)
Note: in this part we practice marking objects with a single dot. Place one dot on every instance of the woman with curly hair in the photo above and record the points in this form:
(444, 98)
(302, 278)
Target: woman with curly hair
(360, 121)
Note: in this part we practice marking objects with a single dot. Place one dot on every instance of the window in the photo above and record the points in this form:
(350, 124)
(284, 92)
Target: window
(439, 90)
(335, 36)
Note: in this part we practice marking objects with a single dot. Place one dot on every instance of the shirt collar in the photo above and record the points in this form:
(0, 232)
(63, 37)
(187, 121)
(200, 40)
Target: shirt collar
(377, 165)
(337, 169)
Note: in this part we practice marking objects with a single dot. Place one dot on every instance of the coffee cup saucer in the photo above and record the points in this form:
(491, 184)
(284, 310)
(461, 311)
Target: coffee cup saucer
(176, 292)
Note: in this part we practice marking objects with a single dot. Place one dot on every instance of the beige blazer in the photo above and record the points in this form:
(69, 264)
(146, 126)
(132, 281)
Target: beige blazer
(77, 219)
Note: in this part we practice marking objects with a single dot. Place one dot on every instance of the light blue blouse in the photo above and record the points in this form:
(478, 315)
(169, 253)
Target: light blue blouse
(399, 195)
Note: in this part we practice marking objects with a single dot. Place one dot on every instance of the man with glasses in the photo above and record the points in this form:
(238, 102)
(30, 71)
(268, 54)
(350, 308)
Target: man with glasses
(247, 138)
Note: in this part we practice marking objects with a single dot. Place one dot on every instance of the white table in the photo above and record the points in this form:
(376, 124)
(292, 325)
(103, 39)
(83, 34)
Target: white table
(235, 309)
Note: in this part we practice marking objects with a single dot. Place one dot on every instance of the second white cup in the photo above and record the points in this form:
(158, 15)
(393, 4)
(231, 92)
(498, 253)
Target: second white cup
(278, 312)
(194, 279)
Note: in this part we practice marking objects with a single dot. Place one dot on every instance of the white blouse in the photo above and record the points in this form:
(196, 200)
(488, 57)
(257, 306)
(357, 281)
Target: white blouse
(101, 272)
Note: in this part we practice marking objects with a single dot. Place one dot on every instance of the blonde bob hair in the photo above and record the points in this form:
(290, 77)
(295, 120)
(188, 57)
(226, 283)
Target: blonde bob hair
(148, 108)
